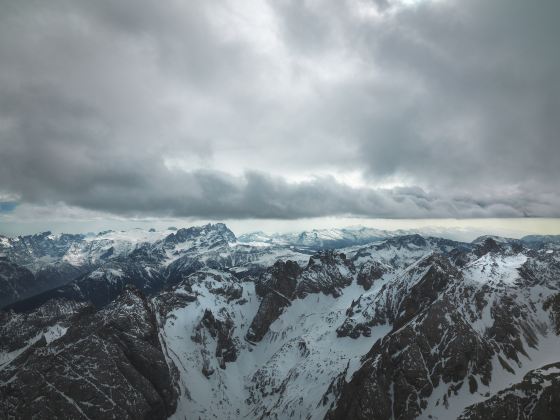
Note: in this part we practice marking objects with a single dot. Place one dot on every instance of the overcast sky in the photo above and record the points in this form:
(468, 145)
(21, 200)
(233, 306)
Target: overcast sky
(245, 110)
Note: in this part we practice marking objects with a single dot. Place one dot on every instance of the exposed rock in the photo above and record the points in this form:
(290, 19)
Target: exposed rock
(536, 397)
(18, 330)
(400, 300)
(277, 286)
(489, 245)
(370, 272)
(16, 282)
(102, 285)
(327, 272)
(552, 304)
(402, 370)
(221, 329)
(430, 326)
(440, 335)
(109, 364)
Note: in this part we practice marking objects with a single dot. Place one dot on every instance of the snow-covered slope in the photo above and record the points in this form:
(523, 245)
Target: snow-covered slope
(97, 268)
(403, 327)
(320, 238)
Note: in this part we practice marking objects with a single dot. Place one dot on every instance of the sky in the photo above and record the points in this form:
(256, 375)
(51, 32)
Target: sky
(284, 111)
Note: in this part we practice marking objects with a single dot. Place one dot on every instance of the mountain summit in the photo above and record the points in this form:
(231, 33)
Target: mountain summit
(196, 323)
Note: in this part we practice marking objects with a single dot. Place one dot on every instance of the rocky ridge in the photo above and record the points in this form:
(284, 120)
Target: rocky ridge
(404, 327)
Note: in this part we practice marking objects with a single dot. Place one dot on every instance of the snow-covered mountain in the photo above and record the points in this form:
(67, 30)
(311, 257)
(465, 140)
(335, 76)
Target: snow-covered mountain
(320, 238)
(334, 238)
(197, 323)
(36, 268)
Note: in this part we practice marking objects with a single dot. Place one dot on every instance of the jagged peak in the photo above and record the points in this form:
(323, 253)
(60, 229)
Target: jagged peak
(183, 234)
(327, 256)
(404, 240)
(495, 238)
(288, 267)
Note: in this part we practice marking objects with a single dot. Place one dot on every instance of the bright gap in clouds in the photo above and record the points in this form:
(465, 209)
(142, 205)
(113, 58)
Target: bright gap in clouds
(63, 219)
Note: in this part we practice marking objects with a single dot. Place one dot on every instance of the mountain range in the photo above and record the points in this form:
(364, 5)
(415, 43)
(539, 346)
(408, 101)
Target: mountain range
(353, 323)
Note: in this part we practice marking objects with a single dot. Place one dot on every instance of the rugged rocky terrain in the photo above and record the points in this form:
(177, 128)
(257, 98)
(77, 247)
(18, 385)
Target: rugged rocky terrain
(195, 323)
(106, 364)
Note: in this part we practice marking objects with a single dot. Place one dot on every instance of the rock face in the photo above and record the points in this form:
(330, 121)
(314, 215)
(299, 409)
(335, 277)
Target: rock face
(537, 396)
(109, 364)
(276, 287)
(327, 272)
(453, 330)
(97, 269)
(102, 285)
(18, 331)
(488, 245)
(16, 282)
(220, 328)
(370, 272)
(552, 304)
(191, 323)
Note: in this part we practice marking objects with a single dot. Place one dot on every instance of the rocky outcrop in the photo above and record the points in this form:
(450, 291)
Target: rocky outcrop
(109, 364)
(451, 330)
(16, 282)
(276, 287)
(18, 330)
(327, 272)
(370, 272)
(488, 245)
(536, 397)
(402, 370)
(401, 299)
(552, 304)
(220, 328)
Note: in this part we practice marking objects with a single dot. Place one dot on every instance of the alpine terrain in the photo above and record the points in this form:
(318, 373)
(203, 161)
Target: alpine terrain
(358, 323)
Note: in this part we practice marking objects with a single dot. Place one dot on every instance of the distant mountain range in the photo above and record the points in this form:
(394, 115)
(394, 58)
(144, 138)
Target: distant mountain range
(353, 323)
(322, 238)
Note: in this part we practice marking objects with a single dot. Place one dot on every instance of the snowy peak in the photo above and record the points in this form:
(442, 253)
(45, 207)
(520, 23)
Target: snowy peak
(327, 272)
(319, 238)
(192, 323)
(488, 323)
(211, 233)
(493, 238)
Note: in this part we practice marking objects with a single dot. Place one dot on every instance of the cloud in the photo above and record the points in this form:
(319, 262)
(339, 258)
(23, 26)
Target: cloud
(443, 108)
(217, 195)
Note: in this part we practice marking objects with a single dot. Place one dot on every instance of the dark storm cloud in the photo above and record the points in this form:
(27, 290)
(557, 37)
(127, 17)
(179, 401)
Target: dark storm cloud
(459, 101)
(212, 194)
(488, 104)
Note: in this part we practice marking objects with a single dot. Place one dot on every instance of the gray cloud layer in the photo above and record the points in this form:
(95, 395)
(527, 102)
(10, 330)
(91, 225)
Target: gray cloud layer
(214, 109)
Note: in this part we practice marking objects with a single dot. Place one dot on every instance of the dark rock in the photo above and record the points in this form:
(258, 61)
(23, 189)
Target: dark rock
(18, 329)
(489, 245)
(536, 397)
(327, 272)
(552, 304)
(402, 370)
(277, 286)
(221, 328)
(370, 272)
(16, 282)
(109, 364)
